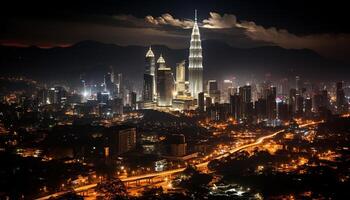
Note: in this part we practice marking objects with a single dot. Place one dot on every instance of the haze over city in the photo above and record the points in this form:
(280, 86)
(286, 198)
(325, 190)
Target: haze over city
(174, 100)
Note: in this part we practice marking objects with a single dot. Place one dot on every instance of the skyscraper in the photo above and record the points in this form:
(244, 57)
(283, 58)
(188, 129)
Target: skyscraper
(151, 70)
(227, 89)
(165, 83)
(235, 106)
(271, 104)
(195, 68)
(214, 91)
(201, 101)
(245, 94)
(108, 82)
(147, 92)
(149, 87)
(341, 103)
(180, 78)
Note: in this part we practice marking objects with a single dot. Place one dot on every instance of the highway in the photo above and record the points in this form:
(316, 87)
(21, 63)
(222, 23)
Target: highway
(174, 171)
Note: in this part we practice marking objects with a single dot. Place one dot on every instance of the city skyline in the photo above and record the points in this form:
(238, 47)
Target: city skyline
(140, 100)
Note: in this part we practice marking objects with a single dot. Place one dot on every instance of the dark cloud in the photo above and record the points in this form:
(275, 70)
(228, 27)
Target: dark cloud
(165, 29)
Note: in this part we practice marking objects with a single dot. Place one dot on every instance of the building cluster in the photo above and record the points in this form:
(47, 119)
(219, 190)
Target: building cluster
(269, 103)
(162, 90)
(265, 102)
(107, 99)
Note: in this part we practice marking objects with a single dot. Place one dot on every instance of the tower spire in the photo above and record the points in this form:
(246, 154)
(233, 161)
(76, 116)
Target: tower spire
(195, 15)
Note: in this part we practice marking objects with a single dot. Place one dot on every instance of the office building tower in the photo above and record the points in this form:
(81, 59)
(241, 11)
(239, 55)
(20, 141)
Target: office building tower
(195, 68)
(56, 95)
(282, 111)
(180, 78)
(271, 104)
(293, 100)
(109, 83)
(102, 97)
(201, 101)
(208, 102)
(320, 101)
(151, 71)
(122, 139)
(132, 97)
(119, 85)
(165, 84)
(297, 84)
(299, 104)
(213, 91)
(245, 94)
(235, 106)
(147, 92)
(177, 145)
(342, 105)
(260, 109)
(308, 108)
(117, 106)
(43, 96)
(227, 89)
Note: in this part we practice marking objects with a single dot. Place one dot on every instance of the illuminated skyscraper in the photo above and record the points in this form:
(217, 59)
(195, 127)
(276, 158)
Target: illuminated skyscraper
(150, 73)
(342, 105)
(180, 78)
(165, 84)
(195, 68)
(149, 87)
(227, 89)
(214, 91)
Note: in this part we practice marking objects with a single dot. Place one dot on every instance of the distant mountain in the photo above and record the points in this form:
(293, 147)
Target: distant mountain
(219, 60)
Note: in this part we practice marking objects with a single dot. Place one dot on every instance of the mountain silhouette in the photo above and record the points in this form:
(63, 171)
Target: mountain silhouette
(220, 60)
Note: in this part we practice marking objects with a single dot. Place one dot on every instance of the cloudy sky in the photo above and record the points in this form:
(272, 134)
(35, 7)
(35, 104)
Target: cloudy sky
(322, 27)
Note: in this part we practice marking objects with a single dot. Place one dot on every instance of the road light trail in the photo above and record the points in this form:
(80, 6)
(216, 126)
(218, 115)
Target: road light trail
(174, 171)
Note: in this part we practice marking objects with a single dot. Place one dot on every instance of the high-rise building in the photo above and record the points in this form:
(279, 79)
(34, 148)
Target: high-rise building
(235, 106)
(342, 105)
(177, 145)
(120, 86)
(102, 97)
(308, 107)
(201, 101)
(117, 106)
(320, 101)
(299, 104)
(297, 83)
(165, 84)
(56, 95)
(109, 84)
(208, 102)
(227, 89)
(293, 100)
(195, 68)
(43, 96)
(132, 96)
(271, 104)
(214, 91)
(149, 77)
(245, 94)
(122, 138)
(282, 111)
(150, 70)
(180, 78)
(260, 109)
(147, 92)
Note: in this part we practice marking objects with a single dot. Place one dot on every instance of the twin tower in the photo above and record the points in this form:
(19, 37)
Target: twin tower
(159, 83)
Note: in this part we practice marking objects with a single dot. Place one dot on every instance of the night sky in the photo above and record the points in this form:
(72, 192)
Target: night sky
(318, 25)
